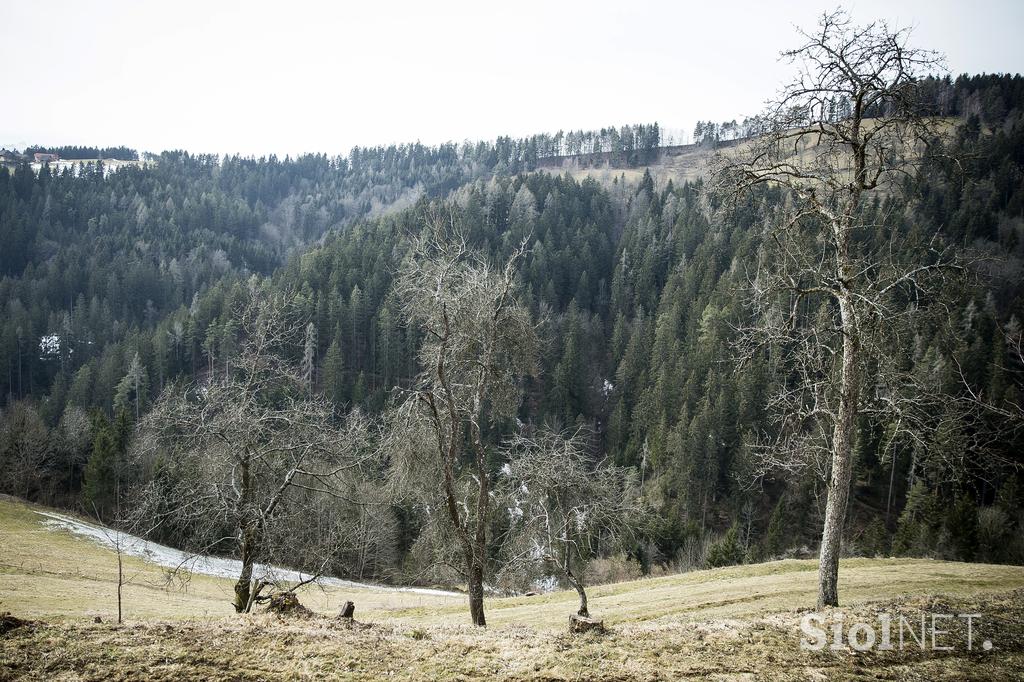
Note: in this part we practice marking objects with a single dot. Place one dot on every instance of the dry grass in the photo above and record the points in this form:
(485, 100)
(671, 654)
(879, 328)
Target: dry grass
(266, 648)
(733, 623)
(45, 573)
(679, 164)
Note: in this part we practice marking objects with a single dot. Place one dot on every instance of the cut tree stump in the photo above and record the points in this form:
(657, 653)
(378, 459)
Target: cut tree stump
(579, 625)
(347, 610)
(287, 604)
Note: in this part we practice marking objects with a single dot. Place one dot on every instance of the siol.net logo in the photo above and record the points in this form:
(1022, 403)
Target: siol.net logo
(929, 631)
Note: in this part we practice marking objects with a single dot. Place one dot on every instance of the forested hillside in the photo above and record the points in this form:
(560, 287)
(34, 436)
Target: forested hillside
(118, 285)
(91, 256)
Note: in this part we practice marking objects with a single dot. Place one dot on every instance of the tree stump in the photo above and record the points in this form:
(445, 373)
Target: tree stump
(9, 622)
(579, 625)
(347, 610)
(287, 604)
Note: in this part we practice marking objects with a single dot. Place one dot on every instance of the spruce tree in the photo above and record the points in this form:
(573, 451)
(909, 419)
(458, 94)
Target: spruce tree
(100, 487)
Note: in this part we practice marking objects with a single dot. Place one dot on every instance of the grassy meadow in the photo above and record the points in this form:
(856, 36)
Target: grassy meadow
(732, 623)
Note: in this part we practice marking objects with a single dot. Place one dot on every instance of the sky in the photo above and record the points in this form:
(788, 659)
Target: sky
(297, 76)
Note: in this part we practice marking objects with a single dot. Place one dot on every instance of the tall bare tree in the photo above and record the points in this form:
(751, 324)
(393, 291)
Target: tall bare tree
(563, 508)
(849, 126)
(479, 342)
(243, 451)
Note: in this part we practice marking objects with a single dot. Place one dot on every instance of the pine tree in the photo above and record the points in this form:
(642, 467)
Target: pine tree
(774, 536)
(727, 551)
(357, 313)
(80, 393)
(569, 390)
(132, 389)
(228, 344)
(962, 527)
(359, 390)
(914, 532)
(100, 488)
(309, 358)
(334, 372)
(874, 541)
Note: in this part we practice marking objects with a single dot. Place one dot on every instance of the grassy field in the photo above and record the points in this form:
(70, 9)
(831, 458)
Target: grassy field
(678, 164)
(56, 575)
(733, 623)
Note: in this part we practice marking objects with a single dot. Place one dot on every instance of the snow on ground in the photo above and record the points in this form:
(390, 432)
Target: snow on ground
(171, 558)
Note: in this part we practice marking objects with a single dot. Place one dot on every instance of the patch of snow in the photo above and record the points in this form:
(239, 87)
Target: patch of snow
(175, 559)
(49, 345)
(548, 583)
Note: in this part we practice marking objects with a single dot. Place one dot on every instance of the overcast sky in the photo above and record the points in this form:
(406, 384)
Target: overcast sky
(294, 76)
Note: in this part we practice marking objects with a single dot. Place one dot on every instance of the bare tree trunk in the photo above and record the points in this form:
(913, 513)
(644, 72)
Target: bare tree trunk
(869, 69)
(244, 584)
(441, 291)
(842, 446)
(578, 586)
(476, 594)
(892, 476)
(476, 588)
(120, 580)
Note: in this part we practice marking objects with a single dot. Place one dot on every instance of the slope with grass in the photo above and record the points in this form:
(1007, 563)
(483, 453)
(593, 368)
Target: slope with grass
(682, 163)
(735, 623)
(48, 571)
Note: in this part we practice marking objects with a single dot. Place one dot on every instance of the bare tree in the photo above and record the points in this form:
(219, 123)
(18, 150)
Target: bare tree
(824, 303)
(25, 450)
(118, 538)
(72, 443)
(371, 531)
(478, 343)
(232, 459)
(563, 510)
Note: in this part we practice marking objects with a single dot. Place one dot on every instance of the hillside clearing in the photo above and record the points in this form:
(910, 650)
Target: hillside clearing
(681, 163)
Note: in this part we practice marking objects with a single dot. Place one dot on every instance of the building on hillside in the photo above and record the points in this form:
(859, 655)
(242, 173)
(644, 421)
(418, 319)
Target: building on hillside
(10, 158)
(44, 157)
